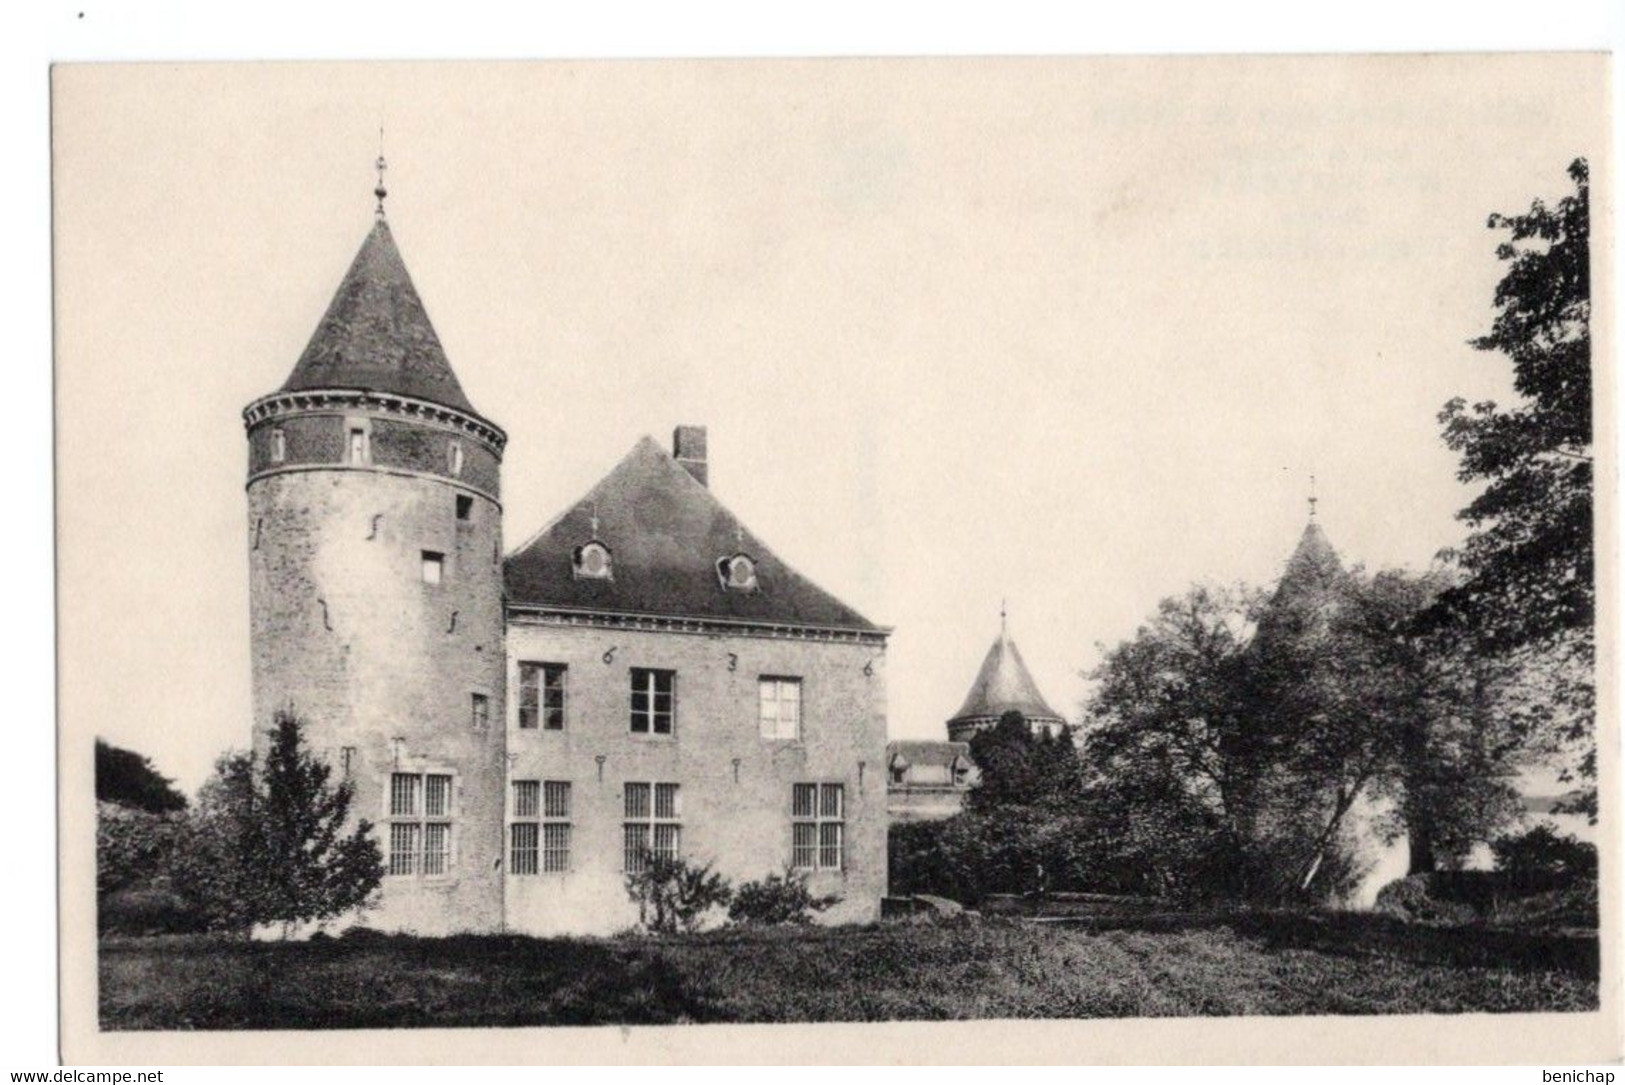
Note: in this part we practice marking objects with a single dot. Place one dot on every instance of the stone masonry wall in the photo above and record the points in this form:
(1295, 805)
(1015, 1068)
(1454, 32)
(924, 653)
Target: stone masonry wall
(735, 786)
(377, 663)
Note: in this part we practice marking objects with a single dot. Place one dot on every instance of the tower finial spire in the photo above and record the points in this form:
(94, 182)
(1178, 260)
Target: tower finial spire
(1313, 500)
(1003, 618)
(381, 191)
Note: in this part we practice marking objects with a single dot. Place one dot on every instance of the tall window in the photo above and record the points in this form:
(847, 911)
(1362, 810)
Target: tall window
(279, 446)
(541, 696)
(653, 824)
(359, 450)
(480, 711)
(540, 834)
(781, 708)
(818, 827)
(653, 701)
(454, 458)
(419, 823)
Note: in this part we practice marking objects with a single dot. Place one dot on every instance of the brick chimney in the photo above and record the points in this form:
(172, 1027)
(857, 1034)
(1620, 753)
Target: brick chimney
(688, 449)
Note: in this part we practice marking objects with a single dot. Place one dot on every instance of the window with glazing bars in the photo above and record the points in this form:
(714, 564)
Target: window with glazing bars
(541, 696)
(419, 823)
(653, 824)
(653, 701)
(780, 708)
(818, 827)
(539, 838)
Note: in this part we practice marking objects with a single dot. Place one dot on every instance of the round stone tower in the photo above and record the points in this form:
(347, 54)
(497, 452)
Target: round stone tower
(375, 555)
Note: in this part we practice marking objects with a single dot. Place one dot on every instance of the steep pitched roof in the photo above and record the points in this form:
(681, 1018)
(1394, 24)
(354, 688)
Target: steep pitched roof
(665, 532)
(1310, 589)
(376, 334)
(1003, 685)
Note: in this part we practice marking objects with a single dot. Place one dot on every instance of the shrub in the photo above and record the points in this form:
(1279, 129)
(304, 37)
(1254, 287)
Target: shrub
(672, 894)
(133, 846)
(150, 909)
(1542, 850)
(777, 899)
(1417, 898)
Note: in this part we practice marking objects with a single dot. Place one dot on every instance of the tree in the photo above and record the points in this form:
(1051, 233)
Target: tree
(1177, 747)
(127, 778)
(1019, 768)
(1529, 562)
(269, 843)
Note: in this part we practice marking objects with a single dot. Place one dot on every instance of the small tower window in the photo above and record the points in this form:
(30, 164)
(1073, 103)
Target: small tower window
(737, 573)
(359, 452)
(481, 718)
(279, 446)
(454, 458)
(433, 566)
(465, 506)
(594, 561)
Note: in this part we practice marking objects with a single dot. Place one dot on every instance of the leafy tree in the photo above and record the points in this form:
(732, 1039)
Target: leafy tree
(1177, 747)
(1019, 768)
(778, 899)
(673, 894)
(270, 844)
(1232, 740)
(1530, 584)
(127, 778)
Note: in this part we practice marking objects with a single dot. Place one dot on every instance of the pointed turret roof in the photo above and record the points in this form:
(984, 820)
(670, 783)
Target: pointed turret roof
(1310, 589)
(376, 334)
(1003, 685)
(665, 532)
(1314, 566)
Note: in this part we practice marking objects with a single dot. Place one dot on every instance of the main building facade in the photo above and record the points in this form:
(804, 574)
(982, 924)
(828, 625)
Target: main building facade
(643, 678)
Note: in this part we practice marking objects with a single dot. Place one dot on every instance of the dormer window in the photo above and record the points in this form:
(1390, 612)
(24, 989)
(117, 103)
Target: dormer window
(594, 561)
(454, 458)
(279, 446)
(737, 573)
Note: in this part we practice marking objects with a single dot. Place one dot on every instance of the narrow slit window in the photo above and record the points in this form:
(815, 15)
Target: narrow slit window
(358, 445)
(279, 446)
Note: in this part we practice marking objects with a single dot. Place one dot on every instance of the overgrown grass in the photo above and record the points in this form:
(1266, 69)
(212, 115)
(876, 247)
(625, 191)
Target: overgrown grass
(1250, 964)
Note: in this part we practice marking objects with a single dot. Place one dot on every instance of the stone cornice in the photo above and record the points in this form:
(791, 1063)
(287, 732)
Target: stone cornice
(532, 614)
(338, 400)
(458, 484)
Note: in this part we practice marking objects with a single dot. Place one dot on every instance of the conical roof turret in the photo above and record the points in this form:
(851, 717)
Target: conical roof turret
(376, 335)
(1003, 684)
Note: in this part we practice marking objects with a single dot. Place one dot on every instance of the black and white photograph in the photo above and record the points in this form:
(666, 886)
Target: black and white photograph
(1072, 543)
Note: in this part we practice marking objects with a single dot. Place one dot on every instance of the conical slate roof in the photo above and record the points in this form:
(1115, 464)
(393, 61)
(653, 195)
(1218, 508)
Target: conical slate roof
(1310, 589)
(376, 335)
(1002, 685)
(665, 532)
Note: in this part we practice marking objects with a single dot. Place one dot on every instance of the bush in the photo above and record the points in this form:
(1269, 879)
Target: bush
(152, 909)
(777, 899)
(673, 895)
(133, 846)
(1542, 850)
(1417, 899)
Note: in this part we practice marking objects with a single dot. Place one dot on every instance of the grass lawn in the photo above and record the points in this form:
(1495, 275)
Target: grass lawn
(1243, 964)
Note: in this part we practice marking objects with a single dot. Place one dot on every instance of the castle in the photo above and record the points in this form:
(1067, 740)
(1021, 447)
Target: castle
(643, 677)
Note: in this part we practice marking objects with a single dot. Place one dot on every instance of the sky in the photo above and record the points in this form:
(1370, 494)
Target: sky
(1070, 334)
